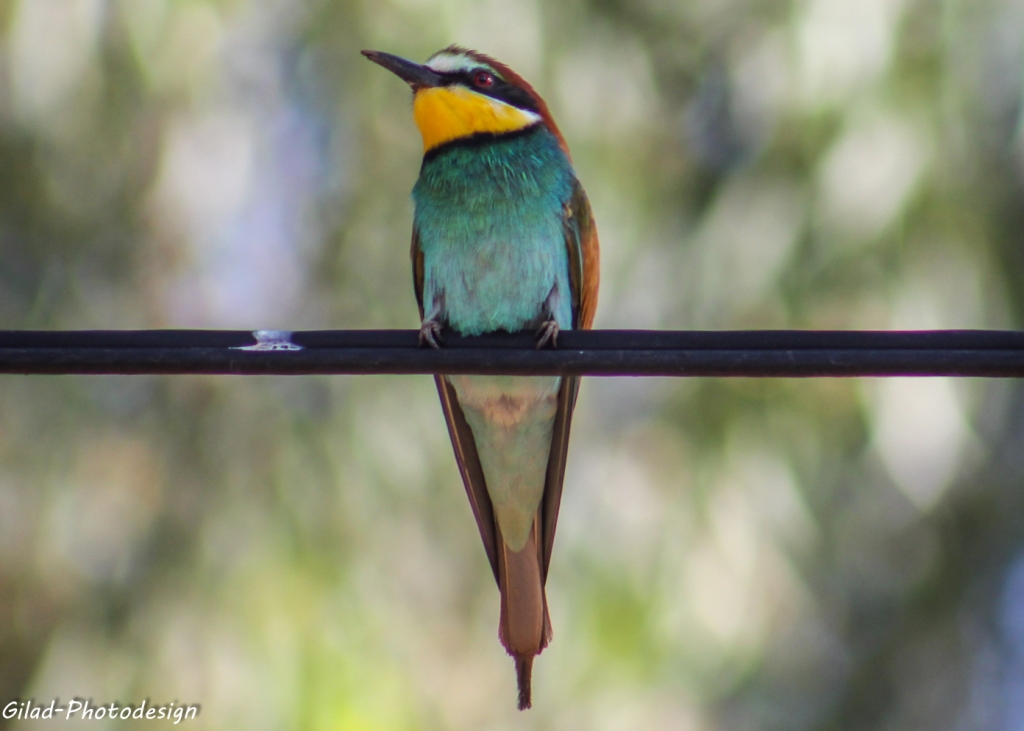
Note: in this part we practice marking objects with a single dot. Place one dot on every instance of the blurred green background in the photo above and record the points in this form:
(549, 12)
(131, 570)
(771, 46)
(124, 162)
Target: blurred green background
(298, 553)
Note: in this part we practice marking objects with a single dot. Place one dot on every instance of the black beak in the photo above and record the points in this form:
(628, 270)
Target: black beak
(414, 74)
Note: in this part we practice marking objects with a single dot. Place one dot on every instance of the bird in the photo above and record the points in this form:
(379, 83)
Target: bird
(503, 240)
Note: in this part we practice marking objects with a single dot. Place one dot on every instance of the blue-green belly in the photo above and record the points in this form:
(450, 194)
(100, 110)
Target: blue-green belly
(490, 225)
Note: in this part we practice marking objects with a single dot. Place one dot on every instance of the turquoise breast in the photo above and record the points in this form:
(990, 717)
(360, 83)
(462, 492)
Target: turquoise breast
(489, 214)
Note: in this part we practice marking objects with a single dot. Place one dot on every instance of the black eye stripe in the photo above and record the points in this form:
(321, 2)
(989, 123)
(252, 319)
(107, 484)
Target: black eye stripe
(500, 89)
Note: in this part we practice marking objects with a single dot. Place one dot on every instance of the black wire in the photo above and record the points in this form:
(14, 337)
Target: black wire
(749, 353)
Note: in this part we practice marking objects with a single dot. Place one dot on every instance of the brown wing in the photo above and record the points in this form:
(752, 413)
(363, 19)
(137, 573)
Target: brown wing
(584, 259)
(556, 469)
(417, 269)
(469, 467)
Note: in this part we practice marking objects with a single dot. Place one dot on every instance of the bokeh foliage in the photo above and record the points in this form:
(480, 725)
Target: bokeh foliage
(298, 552)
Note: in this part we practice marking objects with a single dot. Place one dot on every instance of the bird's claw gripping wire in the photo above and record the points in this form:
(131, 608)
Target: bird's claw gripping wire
(548, 333)
(430, 334)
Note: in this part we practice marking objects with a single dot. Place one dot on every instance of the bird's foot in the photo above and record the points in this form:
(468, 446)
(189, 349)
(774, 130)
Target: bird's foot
(548, 333)
(430, 334)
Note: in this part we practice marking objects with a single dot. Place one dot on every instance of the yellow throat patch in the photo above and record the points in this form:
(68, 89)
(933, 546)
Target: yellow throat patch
(449, 113)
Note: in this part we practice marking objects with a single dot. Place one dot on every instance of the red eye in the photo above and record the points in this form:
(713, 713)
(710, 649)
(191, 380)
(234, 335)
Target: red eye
(483, 79)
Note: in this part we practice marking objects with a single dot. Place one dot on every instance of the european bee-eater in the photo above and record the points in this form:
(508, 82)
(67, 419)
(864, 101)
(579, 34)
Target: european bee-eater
(503, 240)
